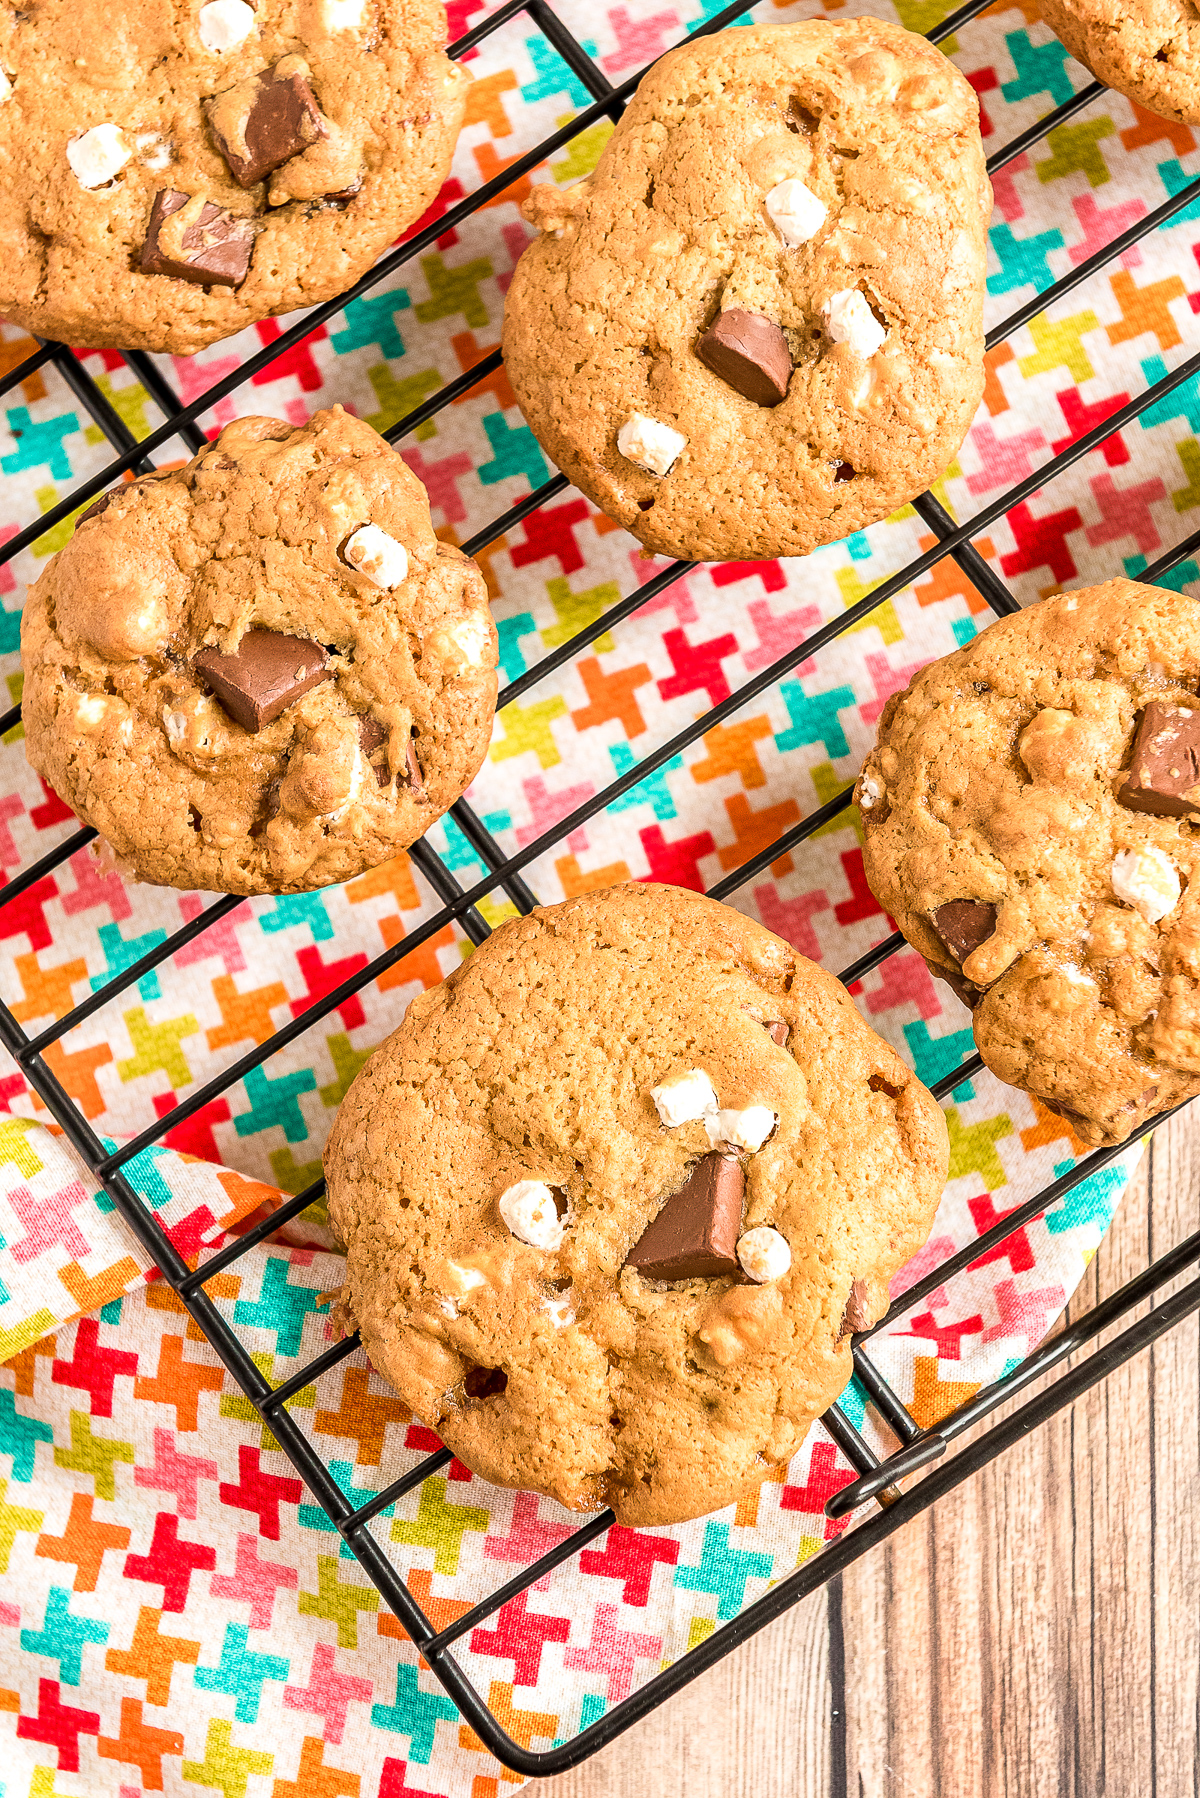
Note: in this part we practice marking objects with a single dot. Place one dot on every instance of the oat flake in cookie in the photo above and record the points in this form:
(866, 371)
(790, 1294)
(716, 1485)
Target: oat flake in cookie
(616, 1193)
(757, 326)
(172, 170)
(262, 672)
(1032, 811)
(1148, 50)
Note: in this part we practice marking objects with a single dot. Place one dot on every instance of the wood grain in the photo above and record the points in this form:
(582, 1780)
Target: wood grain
(1034, 1635)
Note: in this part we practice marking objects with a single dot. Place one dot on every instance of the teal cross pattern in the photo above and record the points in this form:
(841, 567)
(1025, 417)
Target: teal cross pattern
(1172, 175)
(510, 631)
(514, 451)
(858, 546)
(1022, 259)
(415, 1714)
(1039, 69)
(591, 1709)
(280, 1306)
(20, 1435)
(938, 1055)
(274, 1102)
(1091, 1202)
(723, 1570)
(241, 1672)
(371, 319)
(142, 1175)
(121, 954)
(298, 908)
(39, 443)
(551, 74)
(1183, 402)
(1175, 578)
(652, 791)
(10, 630)
(314, 1518)
(814, 719)
(62, 1637)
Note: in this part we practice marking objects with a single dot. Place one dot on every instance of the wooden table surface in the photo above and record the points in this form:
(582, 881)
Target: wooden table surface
(1036, 1634)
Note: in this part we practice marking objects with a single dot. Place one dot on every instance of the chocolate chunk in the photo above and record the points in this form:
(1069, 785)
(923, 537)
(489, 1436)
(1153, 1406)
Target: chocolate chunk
(216, 246)
(344, 195)
(964, 990)
(694, 1236)
(963, 924)
(94, 510)
(266, 673)
(372, 738)
(749, 353)
(778, 1032)
(263, 122)
(800, 118)
(1164, 776)
(843, 472)
(416, 780)
(485, 1382)
(854, 1317)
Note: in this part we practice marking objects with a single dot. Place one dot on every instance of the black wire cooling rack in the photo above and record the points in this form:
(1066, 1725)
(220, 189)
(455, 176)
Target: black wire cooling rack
(879, 1481)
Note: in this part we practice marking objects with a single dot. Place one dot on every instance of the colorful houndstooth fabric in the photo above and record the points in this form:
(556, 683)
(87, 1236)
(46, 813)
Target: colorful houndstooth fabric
(259, 1664)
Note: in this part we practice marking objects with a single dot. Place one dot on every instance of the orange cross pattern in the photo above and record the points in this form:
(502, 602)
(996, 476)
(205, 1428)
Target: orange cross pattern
(934, 1398)
(12, 354)
(946, 579)
(731, 751)
(244, 1014)
(363, 1415)
(522, 1726)
(140, 1745)
(90, 1291)
(611, 696)
(314, 1778)
(1152, 130)
(47, 990)
(485, 105)
(993, 392)
(83, 1542)
(441, 1612)
(77, 1072)
(178, 1382)
(490, 165)
(1051, 1128)
(159, 1297)
(497, 383)
(575, 880)
(152, 1656)
(393, 877)
(754, 830)
(422, 964)
(24, 1365)
(1145, 309)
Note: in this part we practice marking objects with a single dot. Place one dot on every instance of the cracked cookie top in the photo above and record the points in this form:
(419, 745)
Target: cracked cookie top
(172, 170)
(616, 1193)
(757, 326)
(260, 672)
(1031, 812)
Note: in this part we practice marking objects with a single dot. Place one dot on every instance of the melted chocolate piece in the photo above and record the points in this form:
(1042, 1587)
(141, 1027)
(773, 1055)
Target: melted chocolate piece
(843, 472)
(266, 673)
(1164, 775)
(281, 121)
(963, 924)
(854, 1317)
(372, 739)
(749, 353)
(216, 247)
(94, 510)
(416, 780)
(694, 1236)
(485, 1382)
(778, 1032)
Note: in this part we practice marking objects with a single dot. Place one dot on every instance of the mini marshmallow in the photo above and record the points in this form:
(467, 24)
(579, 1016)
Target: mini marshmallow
(90, 710)
(685, 1098)
(463, 1279)
(342, 15)
(653, 446)
(1147, 880)
(371, 552)
(529, 1210)
(795, 211)
(471, 637)
(153, 150)
(764, 1254)
(97, 155)
(748, 1129)
(561, 1310)
(5, 87)
(851, 321)
(176, 727)
(869, 794)
(224, 24)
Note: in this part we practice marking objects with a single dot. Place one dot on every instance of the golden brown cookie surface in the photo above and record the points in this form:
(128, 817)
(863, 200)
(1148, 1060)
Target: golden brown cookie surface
(261, 672)
(813, 194)
(502, 1167)
(1148, 50)
(128, 133)
(1030, 825)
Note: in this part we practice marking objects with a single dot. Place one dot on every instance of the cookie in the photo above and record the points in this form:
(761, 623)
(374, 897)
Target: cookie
(261, 672)
(757, 326)
(171, 171)
(1031, 812)
(1148, 52)
(616, 1193)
